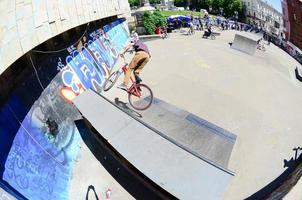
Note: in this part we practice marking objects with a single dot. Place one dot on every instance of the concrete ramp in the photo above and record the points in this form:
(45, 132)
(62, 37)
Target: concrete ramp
(164, 161)
(200, 136)
(246, 43)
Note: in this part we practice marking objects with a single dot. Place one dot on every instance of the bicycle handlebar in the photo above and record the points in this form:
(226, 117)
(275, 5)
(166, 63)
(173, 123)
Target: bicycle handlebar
(123, 57)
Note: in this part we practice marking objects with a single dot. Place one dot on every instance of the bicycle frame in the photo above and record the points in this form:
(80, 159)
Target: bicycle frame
(134, 89)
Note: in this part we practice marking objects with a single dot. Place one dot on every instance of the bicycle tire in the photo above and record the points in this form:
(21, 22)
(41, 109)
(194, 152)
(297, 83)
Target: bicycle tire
(145, 101)
(213, 37)
(110, 81)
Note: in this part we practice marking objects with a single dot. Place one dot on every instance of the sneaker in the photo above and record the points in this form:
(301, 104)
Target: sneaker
(122, 87)
(137, 79)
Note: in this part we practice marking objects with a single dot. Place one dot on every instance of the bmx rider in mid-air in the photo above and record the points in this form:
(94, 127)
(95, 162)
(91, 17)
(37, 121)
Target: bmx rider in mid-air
(140, 59)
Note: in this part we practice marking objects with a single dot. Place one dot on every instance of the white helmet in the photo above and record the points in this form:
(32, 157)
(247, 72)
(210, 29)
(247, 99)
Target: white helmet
(134, 36)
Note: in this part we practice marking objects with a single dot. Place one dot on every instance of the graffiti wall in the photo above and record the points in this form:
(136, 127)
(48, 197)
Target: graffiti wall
(39, 140)
(89, 66)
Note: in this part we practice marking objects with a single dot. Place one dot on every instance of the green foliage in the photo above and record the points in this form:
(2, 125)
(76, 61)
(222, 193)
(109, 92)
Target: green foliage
(205, 4)
(149, 22)
(152, 2)
(216, 5)
(134, 2)
(180, 3)
(152, 20)
(229, 6)
(160, 20)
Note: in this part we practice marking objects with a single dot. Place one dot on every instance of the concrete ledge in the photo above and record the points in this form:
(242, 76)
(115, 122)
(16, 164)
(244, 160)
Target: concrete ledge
(177, 171)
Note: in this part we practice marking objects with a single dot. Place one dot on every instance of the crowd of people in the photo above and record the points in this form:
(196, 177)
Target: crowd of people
(206, 24)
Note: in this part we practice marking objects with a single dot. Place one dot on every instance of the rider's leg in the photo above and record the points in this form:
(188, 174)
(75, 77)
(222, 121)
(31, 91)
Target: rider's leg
(141, 64)
(128, 73)
(134, 62)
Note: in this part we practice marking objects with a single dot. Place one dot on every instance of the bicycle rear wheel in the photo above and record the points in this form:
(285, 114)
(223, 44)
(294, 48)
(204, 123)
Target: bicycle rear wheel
(111, 80)
(143, 100)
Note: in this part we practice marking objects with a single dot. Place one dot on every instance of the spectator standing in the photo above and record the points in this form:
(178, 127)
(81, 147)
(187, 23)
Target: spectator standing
(200, 23)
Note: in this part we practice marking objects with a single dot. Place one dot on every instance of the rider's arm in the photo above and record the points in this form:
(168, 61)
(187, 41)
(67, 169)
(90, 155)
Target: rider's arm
(126, 49)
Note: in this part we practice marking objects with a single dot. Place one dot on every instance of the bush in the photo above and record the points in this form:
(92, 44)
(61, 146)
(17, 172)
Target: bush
(152, 20)
(134, 2)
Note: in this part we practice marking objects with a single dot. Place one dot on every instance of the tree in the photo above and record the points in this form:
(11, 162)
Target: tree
(153, 20)
(205, 4)
(238, 6)
(216, 5)
(180, 3)
(134, 2)
(155, 2)
(227, 7)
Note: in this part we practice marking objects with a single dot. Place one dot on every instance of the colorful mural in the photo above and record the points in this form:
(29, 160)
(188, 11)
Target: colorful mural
(89, 67)
(37, 123)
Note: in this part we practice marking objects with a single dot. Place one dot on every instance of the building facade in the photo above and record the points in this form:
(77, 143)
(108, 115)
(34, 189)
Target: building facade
(292, 17)
(260, 13)
(285, 18)
(27, 24)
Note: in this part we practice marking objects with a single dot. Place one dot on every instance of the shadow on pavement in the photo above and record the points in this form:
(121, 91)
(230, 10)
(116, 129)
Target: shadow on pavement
(132, 180)
(91, 187)
(126, 108)
(278, 188)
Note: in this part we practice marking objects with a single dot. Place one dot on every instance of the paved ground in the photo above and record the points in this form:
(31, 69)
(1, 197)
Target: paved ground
(255, 97)
(89, 171)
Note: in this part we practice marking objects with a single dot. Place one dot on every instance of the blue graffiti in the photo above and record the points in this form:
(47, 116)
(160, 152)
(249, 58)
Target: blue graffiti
(92, 64)
(83, 67)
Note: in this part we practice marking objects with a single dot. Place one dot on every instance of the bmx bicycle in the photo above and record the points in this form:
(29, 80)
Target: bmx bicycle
(140, 96)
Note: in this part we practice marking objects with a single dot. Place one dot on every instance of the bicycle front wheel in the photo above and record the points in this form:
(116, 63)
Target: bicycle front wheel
(109, 83)
(142, 99)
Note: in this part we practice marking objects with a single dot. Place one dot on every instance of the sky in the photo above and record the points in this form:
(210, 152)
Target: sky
(276, 4)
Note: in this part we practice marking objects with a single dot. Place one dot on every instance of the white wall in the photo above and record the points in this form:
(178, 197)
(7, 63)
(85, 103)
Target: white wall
(25, 24)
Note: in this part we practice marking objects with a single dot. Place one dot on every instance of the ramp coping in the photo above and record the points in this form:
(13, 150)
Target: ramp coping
(215, 129)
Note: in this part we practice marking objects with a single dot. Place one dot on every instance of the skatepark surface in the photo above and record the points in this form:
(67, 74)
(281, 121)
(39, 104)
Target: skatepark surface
(179, 172)
(255, 97)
